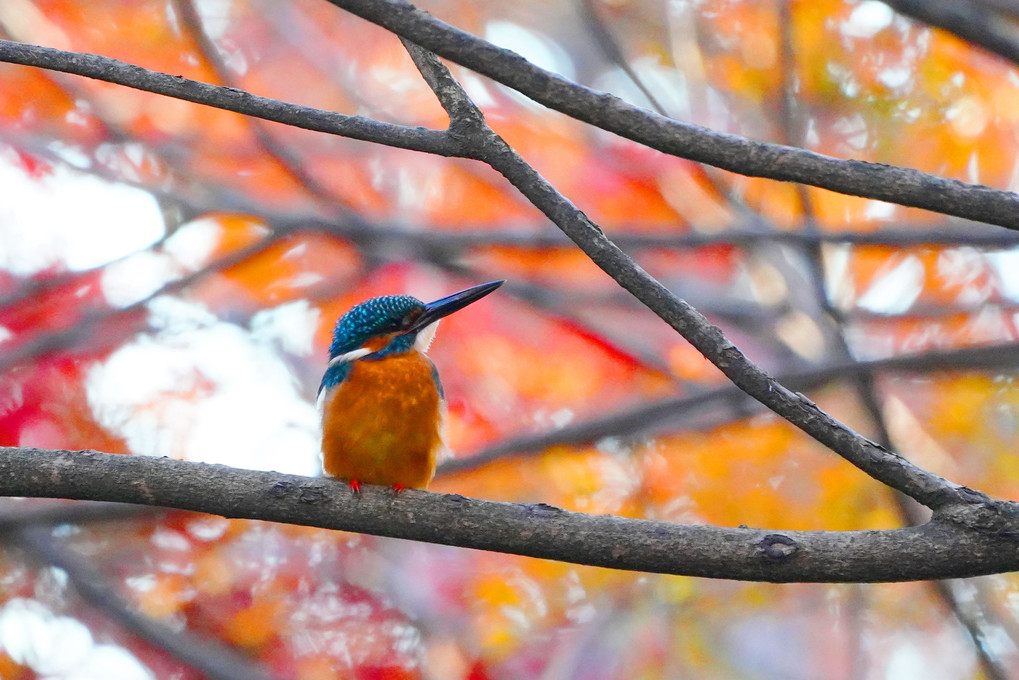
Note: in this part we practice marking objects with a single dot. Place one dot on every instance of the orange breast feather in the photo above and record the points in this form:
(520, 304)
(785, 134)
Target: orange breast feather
(381, 424)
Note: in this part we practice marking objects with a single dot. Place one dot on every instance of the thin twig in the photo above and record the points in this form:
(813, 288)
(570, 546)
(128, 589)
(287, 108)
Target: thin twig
(199, 653)
(287, 159)
(47, 343)
(727, 401)
(609, 46)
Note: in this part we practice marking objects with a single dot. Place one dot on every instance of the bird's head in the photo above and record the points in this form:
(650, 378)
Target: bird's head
(396, 323)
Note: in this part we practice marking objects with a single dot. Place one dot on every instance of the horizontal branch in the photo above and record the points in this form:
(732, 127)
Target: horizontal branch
(432, 238)
(895, 184)
(227, 98)
(964, 540)
(19, 515)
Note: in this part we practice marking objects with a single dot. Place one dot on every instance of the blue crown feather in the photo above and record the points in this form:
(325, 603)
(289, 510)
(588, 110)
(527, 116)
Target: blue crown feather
(371, 318)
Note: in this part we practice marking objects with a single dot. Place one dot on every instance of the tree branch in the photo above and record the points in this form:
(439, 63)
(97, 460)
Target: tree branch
(531, 238)
(477, 140)
(981, 26)
(725, 399)
(214, 660)
(968, 539)
(894, 184)
(191, 23)
(92, 324)
(227, 98)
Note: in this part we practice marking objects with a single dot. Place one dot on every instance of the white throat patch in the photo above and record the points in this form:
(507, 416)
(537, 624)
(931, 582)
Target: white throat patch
(425, 337)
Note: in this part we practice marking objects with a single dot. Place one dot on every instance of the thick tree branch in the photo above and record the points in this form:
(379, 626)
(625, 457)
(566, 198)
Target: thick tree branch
(967, 539)
(894, 184)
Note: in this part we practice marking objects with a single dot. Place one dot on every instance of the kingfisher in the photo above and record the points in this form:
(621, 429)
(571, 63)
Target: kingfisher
(381, 399)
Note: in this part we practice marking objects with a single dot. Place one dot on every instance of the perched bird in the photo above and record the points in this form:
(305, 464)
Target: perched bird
(380, 397)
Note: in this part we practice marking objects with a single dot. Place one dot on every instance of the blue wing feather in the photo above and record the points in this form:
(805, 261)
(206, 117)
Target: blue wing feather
(438, 383)
(334, 375)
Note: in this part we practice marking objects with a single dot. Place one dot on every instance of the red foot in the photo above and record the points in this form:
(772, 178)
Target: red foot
(398, 488)
(355, 487)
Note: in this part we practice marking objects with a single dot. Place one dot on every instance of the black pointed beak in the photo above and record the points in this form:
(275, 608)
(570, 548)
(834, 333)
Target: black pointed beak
(453, 303)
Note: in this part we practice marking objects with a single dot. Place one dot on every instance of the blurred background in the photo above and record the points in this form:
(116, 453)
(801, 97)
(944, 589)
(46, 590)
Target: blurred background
(170, 274)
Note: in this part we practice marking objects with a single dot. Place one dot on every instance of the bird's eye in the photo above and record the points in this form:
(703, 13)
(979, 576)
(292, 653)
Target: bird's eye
(407, 321)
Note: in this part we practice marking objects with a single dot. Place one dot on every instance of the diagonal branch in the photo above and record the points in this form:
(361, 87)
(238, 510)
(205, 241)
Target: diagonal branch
(982, 26)
(864, 382)
(26, 524)
(970, 540)
(213, 660)
(477, 140)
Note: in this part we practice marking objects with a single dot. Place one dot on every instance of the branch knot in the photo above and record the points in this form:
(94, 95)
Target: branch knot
(777, 547)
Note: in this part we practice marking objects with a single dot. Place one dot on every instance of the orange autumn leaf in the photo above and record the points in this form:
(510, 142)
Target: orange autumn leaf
(12, 670)
(468, 198)
(565, 265)
(316, 668)
(292, 266)
(689, 364)
(165, 596)
(255, 625)
(235, 232)
(635, 202)
(755, 473)
(213, 574)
